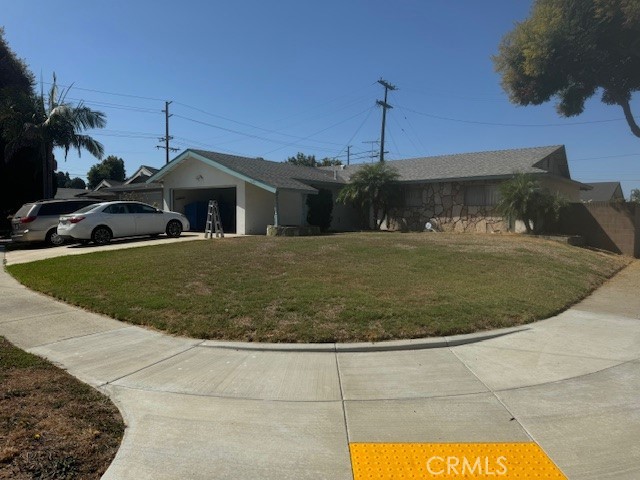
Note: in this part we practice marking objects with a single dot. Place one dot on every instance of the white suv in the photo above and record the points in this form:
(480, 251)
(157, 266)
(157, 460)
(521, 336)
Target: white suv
(38, 221)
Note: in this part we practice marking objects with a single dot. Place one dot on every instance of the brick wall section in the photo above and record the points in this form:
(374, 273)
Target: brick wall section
(612, 226)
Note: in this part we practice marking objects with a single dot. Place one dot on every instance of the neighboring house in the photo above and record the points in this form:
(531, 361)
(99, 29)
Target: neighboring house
(133, 188)
(141, 175)
(603, 192)
(107, 183)
(461, 191)
(251, 193)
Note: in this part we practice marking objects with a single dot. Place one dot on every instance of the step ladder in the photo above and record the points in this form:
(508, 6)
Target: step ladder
(213, 225)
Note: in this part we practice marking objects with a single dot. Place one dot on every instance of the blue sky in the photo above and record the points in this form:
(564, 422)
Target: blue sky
(271, 79)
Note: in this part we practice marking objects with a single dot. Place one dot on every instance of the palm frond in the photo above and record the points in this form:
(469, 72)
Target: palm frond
(84, 118)
(87, 143)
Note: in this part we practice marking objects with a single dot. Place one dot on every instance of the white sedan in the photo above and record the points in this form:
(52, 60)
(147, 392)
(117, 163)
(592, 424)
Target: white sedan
(103, 221)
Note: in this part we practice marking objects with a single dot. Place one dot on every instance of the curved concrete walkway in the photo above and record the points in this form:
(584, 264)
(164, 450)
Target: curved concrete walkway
(203, 409)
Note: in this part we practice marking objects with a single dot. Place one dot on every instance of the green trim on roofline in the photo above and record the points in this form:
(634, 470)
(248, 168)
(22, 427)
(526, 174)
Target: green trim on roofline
(190, 153)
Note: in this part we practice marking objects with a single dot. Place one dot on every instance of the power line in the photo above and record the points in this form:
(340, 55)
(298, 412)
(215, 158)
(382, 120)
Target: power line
(250, 135)
(116, 106)
(325, 103)
(424, 149)
(250, 125)
(107, 93)
(318, 132)
(357, 131)
(512, 124)
(454, 97)
(603, 158)
(408, 137)
(148, 110)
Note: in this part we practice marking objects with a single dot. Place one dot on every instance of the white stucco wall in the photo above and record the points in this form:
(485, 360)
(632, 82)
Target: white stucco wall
(260, 213)
(196, 174)
(570, 191)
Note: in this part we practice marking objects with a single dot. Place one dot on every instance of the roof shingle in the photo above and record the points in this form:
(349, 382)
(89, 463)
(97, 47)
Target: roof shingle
(280, 175)
(466, 166)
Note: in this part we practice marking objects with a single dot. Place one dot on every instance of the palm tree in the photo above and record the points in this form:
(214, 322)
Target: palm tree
(373, 185)
(523, 198)
(44, 125)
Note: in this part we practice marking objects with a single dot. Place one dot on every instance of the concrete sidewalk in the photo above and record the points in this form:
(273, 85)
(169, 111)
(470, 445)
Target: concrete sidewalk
(203, 409)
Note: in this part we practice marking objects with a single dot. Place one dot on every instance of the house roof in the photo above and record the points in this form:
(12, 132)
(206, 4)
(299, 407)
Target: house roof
(141, 175)
(131, 187)
(64, 193)
(107, 183)
(271, 176)
(602, 192)
(470, 166)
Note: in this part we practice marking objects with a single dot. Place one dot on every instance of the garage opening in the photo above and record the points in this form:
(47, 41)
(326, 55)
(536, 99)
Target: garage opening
(193, 204)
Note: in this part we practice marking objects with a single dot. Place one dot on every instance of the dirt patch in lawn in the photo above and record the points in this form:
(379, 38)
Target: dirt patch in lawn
(51, 425)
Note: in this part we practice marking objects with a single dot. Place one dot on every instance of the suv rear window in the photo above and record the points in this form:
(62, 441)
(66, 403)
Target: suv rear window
(24, 210)
(62, 208)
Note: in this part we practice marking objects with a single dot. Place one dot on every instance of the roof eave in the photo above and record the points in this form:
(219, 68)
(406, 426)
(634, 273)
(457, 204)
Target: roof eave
(191, 154)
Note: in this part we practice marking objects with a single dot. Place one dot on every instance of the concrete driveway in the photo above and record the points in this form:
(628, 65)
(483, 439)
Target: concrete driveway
(204, 409)
(30, 253)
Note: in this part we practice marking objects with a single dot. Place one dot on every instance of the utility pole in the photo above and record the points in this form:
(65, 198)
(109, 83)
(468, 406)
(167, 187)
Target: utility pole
(387, 86)
(374, 154)
(166, 137)
(348, 154)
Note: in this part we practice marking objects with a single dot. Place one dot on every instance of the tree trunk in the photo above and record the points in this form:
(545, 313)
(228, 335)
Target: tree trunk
(626, 108)
(47, 172)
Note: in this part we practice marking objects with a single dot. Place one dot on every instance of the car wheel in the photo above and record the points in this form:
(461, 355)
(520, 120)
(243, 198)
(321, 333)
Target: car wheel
(53, 238)
(174, 229)
(101, 236)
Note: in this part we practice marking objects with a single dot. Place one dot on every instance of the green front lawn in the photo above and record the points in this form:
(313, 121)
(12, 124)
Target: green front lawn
(349, 287)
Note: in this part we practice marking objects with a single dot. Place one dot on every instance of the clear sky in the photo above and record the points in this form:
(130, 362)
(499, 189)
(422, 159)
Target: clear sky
(273, 78)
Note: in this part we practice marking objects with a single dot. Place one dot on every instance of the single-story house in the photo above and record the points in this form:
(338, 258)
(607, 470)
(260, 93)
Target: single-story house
(460, 191)
(251, 192)
(603, 192)
(133, 188)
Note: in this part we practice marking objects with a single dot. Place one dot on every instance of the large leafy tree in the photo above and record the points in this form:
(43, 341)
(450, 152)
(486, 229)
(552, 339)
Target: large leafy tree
(19, 175)
(524, 198)
(571, 49)
(372, 186)
(63, 180)
(111, 168)
(635, 195)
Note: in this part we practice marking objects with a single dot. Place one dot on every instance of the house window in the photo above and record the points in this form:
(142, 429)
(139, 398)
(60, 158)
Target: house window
(481, 195)
(413, 197)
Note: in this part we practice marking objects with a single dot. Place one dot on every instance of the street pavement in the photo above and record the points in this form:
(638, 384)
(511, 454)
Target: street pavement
(199, 409)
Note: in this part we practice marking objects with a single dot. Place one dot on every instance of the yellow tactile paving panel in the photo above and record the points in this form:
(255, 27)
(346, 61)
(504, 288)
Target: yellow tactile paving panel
(444, 461)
